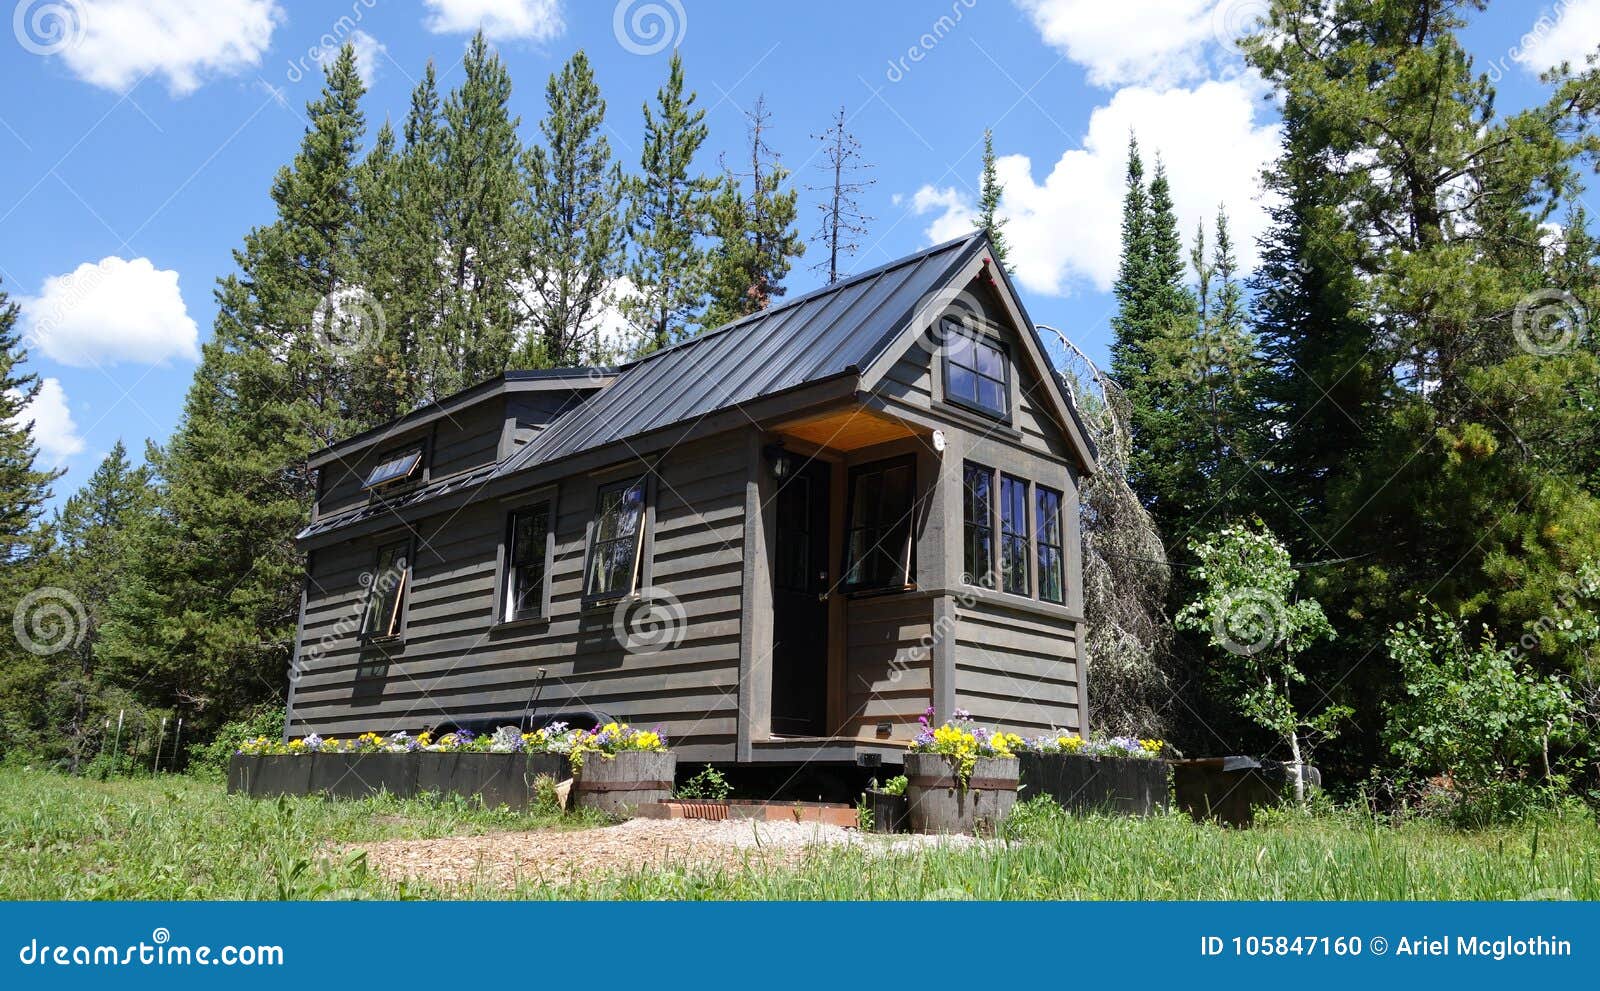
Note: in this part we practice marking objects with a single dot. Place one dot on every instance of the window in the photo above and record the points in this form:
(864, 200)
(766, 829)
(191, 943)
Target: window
(975, 371)
(1048, 542)
(386, 592)
(394, 468)
(878, 546)
(1014, 535)
(977, 517)
(618, 533)
(527, 535)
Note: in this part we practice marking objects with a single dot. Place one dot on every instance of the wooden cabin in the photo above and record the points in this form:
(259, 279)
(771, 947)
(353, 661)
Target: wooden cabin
(780, 541)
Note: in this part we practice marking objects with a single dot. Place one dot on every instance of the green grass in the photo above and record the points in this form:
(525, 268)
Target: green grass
(176, 838)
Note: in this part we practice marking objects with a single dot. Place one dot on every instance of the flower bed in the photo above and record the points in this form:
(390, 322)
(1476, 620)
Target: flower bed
(961, 777)
(500, 768)
(1121, 775)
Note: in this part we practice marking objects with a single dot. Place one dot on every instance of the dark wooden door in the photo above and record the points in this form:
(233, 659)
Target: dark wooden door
(800, 611)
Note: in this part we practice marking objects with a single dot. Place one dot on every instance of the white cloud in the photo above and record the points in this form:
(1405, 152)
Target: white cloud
(369, 53)
(1067, 228)
(531, 20)
(53, 429)
(113, 311)
(116, 43)
(1154, 42)
(1571, 36)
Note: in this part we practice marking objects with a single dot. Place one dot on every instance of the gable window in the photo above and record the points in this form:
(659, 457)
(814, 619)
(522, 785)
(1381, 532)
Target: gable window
(878, 546)
(528, 533)
(976, 374)
(618, 535)
(1014, 535)
(977, 519)
(386, 592)
(394, 468)
(1048, 542)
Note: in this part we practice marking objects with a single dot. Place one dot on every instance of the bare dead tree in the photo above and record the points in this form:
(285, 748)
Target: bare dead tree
(842, 219)
(1132, 673)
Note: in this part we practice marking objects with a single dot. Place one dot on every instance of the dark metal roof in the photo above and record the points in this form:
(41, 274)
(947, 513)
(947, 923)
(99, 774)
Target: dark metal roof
(828, 332)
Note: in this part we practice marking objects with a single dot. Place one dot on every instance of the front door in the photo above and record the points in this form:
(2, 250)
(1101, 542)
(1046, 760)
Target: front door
(800, 611)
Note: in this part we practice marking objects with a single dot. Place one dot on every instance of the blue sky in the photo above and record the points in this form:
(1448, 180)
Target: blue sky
(138, 139)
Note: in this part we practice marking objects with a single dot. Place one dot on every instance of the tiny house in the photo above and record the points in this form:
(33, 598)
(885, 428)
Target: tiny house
(780, 541)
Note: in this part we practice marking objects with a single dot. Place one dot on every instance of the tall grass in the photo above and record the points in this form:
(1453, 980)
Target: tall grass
(176, 838)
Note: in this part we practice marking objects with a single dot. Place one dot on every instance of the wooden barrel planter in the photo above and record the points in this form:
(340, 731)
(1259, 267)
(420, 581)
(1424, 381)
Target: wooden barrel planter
(1230, 789)
(622, 782)
(937, 802)
(356, 775)
(494, 779)
(1118, 785)
(889, 812)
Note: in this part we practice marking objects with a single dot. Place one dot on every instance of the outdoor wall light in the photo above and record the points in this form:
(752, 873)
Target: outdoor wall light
(780, 460)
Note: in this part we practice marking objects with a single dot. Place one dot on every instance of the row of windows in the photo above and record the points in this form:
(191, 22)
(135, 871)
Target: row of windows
(879, 543)
(986, 511)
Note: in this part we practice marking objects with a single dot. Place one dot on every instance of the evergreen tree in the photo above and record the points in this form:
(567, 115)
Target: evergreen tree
(667, 214)
(1154, 331)
(989, 195)
(575, 235)
(206, 615)
(483, 232)
(94, 531)
(756, 239)
(842, 219)
(1456, 486)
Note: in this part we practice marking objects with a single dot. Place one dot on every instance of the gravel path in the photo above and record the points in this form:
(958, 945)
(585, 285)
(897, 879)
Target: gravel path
(558, 857)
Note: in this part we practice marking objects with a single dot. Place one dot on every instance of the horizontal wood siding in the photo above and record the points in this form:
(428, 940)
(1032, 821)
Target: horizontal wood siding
(888, 669)
(466, 439)
(455, 663)
(1016, 669)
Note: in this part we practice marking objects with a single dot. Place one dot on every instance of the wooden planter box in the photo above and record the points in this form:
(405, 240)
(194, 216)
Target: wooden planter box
(362, 775)
(889, 812)
(494, 779)
(620, 784)
(1120, 785)
(938, 804)
(278, 774)
(1230, 789)
(242, 771)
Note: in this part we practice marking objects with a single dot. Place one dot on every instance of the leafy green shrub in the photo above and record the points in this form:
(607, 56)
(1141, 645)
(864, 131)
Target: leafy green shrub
(1468, 714)
(211, 759)
(896, 785)
(710, 785)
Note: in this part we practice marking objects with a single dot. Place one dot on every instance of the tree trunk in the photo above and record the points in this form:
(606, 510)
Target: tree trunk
(1299, 769)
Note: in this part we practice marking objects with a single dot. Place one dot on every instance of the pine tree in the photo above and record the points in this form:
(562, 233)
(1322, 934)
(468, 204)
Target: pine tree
(481, 228)
(1456, 486)
(842, 219)
(575, 234)
(668, 212)
(206, 616)
(94, 531)
(990, 193)
(756, 239)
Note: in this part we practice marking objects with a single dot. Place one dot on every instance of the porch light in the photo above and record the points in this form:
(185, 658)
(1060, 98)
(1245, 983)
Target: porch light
(780, 460)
